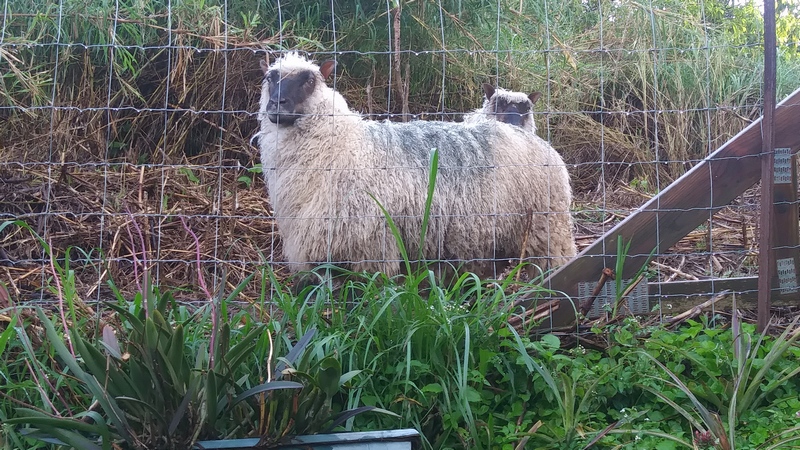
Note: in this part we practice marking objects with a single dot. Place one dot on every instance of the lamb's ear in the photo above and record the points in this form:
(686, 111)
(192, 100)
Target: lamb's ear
(488, 89)
(264, 66)
(327, 68)
(534, 96)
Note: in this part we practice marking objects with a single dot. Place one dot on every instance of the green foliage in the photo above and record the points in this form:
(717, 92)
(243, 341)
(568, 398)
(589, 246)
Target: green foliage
(430, 354)
(444, 360)
(737, 387)
(163, 377)
(153, 389)
(310, 409)
(453, 361)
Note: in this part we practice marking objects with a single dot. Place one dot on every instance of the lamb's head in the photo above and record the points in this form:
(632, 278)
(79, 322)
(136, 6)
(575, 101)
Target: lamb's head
(513, 108)
(289, 82)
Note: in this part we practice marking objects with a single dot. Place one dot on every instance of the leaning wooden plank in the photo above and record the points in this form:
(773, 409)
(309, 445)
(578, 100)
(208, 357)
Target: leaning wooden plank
(678, 209)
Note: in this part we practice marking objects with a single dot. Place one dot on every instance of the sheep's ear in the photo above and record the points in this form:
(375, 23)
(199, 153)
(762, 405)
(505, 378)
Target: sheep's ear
(488, 89)
(534, 96)
(327, 68)
(264, 66)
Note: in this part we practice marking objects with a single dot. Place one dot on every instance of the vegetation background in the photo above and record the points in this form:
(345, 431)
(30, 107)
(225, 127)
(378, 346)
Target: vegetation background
(125, 133)
(131, 112)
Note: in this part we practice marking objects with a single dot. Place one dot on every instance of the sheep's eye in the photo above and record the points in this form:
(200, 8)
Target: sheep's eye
(271, 77)
(523, 107)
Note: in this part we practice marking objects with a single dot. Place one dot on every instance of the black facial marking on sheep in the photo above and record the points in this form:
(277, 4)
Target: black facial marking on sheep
(513, 108)
(498, 187)
(288, 92)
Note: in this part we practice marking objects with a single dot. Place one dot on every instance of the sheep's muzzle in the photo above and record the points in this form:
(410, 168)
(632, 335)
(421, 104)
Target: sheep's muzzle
(511, 118)
(287, 95)
(281, 114)
(511, 115)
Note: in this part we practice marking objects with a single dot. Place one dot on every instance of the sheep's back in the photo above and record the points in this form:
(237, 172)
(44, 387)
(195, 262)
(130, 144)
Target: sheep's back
(490, 177)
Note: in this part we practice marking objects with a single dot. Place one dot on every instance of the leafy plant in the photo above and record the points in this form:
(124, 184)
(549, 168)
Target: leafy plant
(152, 389)
(755, 376)
(308, 410)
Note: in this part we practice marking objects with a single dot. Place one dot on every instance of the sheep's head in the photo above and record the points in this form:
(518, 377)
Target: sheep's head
(513, 108)
(289, 82)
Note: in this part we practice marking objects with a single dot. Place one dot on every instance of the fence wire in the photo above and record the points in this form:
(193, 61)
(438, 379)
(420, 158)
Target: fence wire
(126, 139)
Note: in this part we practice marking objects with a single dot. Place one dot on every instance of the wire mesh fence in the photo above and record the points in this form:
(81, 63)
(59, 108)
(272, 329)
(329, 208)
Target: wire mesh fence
(126, 139)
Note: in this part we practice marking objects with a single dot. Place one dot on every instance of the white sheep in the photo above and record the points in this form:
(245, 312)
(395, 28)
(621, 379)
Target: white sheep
(321, 160)
(511, 107)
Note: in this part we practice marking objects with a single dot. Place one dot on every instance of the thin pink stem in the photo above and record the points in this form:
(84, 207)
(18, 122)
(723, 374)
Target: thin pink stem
(135, 258)
(200, 278)
(204, 287)
(40, 387)
(145, 295)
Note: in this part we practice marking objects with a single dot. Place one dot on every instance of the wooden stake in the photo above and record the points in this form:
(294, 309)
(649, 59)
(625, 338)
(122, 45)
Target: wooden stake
(766, 252)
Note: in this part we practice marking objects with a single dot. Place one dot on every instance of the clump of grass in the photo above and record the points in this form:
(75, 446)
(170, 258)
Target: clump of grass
(425, 351)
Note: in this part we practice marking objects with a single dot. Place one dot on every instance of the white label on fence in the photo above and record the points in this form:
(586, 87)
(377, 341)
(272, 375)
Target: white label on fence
(783, 165)
(787, 276)
(637, 301)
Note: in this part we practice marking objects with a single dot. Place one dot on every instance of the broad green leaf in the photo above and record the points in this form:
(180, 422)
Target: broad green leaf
(211, 396)
(330, 371)
(6, 334)
(150, 336)
(344, 415)
(115, 382)
(348, 376)
(270, 386)
(667, 445)
(111, 343)
(68, 437)
(433, 388)
(175, 360)
(37, 418)
(308, 409)
(132, 319)
(241, 350)
(140, 378)
(223, 340)
(295, 352)
(472, 395)
(154, 414)
(551, 342)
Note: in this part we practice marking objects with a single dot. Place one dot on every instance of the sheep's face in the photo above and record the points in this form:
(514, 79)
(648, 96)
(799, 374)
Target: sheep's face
(289, 89)
(513, 108)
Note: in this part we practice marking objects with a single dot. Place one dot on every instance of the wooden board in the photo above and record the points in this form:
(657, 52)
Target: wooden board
(679, 296)
(678, 209)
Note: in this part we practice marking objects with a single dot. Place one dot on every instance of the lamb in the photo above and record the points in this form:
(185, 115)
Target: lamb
(323, 163)
(513, 108)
